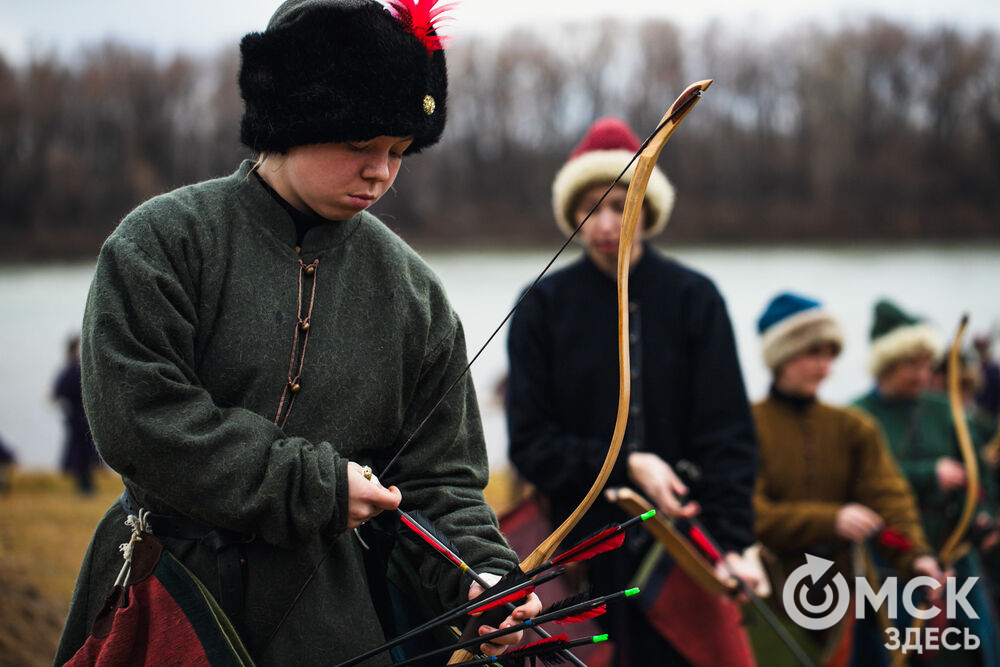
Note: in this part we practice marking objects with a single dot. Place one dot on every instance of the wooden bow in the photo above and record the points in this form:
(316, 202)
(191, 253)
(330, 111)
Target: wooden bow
(947, 555)
(950, 551)
(693, 563)
(698, 567)
(630, 221)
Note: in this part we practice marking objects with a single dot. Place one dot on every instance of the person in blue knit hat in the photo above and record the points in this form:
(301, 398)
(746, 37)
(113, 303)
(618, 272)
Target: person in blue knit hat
(826, 485)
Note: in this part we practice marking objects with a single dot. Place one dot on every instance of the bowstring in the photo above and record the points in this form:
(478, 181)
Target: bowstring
(537, 279)
(681, 109)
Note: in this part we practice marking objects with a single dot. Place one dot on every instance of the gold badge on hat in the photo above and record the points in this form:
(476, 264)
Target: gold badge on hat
(429, 105)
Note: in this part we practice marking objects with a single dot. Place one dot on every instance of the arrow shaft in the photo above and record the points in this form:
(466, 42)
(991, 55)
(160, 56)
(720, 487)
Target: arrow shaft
(475, 576)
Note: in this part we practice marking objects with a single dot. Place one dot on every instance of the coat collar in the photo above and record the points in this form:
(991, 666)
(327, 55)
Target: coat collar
(263, 209)
(637, 271)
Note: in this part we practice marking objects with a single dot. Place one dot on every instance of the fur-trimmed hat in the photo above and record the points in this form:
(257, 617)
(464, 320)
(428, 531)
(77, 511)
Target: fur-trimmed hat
(792, 324)
(343, 70)
(599, 157)
(896, 335)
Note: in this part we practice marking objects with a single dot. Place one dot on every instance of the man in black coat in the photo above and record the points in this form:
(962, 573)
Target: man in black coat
(688, 401)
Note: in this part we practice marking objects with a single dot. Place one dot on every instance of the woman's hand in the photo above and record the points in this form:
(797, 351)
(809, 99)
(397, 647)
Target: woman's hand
(367, 498)
(658, 482)
(530, 608)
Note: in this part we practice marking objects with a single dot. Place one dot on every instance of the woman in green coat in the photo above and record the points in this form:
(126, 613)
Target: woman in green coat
(254, 345)
(919, 429)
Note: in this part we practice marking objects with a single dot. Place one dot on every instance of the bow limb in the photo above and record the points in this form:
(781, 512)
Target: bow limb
(630, 219)
(696, 566)
(947, 554)
(684, 554)
(949, 550)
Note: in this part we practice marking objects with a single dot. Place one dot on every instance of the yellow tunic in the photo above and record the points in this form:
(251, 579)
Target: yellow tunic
(814, 459)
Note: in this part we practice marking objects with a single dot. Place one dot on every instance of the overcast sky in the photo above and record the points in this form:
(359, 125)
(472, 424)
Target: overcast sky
(206, 25)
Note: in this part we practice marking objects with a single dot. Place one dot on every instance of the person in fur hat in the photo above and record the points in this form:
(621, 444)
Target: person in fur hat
(687, 400)
(918, 426)
(827, 483)
(916, 421)
(254, 345)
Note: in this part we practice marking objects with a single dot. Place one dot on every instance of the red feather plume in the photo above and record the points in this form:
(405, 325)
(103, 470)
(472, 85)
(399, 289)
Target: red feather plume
(422, 18)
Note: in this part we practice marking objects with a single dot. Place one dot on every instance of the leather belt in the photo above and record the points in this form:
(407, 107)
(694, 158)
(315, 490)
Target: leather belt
(224, 543)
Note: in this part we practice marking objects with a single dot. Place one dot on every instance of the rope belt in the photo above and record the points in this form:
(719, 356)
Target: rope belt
(224, 543)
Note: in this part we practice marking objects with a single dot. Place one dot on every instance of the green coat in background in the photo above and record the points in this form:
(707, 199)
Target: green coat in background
(919, 433)
(188, 334)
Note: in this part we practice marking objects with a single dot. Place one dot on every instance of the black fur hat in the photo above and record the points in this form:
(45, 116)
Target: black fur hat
(339, 70)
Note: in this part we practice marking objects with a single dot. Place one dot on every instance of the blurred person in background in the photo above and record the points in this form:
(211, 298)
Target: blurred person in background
(201, 393)
(988, 400)
(7, 462)
(827, 485)
(988, 395)
(971, 380)
(918, 426)
(79, 456)
(687, 400)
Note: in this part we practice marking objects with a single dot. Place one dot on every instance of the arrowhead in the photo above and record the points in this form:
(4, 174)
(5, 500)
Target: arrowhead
(815, 566)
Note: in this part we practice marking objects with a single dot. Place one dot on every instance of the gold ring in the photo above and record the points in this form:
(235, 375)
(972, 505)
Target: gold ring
(367, 472)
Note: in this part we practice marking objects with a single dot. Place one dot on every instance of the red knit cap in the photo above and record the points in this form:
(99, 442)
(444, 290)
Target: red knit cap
(599, 158)
(607, 134)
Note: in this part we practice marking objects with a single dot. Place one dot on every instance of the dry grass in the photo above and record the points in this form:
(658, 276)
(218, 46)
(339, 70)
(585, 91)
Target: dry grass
(45, 527)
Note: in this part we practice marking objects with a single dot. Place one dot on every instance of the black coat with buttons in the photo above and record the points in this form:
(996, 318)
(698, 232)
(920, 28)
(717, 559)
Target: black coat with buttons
(688, 398)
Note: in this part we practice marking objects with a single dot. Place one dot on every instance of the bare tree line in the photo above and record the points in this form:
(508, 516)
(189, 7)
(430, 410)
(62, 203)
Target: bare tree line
(871, 132)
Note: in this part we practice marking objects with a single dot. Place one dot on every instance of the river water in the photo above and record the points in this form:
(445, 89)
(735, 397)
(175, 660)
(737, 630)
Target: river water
(41, 306)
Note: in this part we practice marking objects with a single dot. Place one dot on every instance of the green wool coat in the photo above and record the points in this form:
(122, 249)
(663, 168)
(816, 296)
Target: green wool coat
(919, 433)
(187, 339)
(813, 461)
